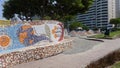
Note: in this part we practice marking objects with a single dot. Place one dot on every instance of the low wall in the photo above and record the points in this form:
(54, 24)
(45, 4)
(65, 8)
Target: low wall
(33, 53)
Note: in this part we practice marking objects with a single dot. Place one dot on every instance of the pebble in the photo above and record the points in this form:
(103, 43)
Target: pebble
(27, 55)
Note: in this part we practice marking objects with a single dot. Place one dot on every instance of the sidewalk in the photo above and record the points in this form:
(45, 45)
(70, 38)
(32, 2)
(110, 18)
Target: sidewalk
(76, 60)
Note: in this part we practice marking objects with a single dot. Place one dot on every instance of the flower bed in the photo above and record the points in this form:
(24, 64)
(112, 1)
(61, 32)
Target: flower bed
(106, 60)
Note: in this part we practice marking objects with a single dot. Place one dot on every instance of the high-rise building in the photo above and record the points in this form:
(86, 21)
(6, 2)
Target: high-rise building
(100, 13)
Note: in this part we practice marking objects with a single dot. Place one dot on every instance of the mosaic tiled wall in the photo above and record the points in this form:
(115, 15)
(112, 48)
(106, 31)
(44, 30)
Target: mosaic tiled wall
(33, 53)
(22, 34)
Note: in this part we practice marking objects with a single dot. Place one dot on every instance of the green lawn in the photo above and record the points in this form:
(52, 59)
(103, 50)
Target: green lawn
(4, 22)
(116, 65)
(112, 35)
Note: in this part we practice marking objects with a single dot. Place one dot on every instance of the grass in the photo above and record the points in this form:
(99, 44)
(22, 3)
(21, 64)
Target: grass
(112, 35)
(4, 22)
(116, 65)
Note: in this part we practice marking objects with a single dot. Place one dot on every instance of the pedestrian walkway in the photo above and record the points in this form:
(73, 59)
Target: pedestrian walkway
(75, 60)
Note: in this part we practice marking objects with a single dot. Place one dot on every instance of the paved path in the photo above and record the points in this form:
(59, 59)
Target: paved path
(81, 45)
(78, 57)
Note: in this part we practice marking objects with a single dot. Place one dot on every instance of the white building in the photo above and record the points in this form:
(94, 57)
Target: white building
(100, 13)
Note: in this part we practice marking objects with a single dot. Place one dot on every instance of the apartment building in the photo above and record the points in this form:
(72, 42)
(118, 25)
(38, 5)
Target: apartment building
(100, 13)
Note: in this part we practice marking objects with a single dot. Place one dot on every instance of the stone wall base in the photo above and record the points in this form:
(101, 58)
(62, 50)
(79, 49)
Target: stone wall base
(32, 54)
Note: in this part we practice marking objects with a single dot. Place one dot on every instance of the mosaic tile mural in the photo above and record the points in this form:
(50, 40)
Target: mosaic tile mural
(29, 33)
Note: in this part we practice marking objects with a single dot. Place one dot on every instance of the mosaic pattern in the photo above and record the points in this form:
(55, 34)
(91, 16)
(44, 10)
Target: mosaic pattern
(27, 36)
(12, 42)
(62, 32)
(24, 34)
(5, 41)
(47, 29)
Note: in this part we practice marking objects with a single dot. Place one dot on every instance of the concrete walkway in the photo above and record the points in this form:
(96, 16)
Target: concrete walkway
(77, 59)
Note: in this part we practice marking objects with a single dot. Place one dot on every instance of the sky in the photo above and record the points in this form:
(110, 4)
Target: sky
(1, 8)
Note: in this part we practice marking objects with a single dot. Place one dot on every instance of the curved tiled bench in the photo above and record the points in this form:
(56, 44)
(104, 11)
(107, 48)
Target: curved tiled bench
(33, 53)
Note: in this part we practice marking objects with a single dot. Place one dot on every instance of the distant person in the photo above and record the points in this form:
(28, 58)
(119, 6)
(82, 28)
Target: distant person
(107, 33)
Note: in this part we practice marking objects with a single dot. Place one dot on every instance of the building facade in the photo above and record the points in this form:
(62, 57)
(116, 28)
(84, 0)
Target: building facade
(100, 13)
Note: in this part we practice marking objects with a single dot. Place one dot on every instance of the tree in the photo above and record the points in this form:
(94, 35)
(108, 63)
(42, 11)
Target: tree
(115, 21)
(56, 9)
(47, 18)
(85, 27)
(75, 25)
(26, 8)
